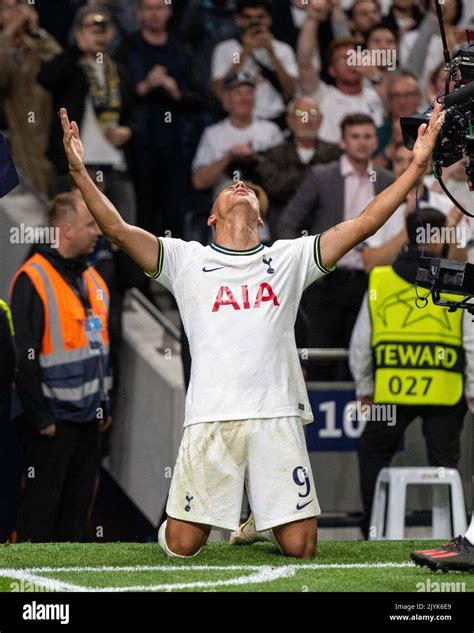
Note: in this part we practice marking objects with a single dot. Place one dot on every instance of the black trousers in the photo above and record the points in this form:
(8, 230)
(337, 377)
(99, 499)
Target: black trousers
(160, 182)
(9, 476)
(331, 306)
(59, 476)
(379, 442)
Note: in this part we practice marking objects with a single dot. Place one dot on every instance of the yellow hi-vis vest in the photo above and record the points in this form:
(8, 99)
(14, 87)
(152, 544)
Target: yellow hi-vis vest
(5, 307)
(418, 354)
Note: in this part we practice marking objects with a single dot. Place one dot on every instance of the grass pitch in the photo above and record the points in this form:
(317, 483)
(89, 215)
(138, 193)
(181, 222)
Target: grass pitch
(339, 566)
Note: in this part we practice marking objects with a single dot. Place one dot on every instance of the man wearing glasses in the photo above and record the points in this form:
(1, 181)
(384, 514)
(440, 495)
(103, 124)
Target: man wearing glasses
(286, 165)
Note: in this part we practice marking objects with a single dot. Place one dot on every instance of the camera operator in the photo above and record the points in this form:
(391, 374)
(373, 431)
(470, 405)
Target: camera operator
(260, 54)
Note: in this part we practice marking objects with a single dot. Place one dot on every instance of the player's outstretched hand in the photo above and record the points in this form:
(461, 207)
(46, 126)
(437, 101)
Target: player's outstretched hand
(72, 142)
(427, 136)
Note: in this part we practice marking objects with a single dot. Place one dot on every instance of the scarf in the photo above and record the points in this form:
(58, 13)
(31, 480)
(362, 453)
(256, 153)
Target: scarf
(106, 97)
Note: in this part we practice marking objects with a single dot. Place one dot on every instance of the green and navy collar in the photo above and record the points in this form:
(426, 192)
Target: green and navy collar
(230, 251)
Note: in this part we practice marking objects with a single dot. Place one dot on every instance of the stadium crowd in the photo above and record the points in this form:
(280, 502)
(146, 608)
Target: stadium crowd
(175, 99)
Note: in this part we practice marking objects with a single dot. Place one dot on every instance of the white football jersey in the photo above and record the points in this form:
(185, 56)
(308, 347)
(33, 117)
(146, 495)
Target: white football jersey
(238, 310)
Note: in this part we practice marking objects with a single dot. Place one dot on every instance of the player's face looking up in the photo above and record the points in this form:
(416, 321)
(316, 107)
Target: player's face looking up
(233, 203)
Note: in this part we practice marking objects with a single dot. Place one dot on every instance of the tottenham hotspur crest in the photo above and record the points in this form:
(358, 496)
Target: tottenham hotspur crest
(270, 270)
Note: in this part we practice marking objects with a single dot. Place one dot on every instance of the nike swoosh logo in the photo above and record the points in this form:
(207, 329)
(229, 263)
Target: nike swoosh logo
(209, 270)
(300, 507)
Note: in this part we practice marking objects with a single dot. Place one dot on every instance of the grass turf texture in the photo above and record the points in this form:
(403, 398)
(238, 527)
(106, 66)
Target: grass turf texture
(261, 561)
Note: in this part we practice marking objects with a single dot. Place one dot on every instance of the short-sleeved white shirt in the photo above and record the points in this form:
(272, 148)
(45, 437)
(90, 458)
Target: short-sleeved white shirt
(238, 310)
(335, 105)
(219, 138)
(268, 102)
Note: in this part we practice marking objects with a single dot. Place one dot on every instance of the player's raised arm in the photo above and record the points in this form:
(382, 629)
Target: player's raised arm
(344, 236)
(139, 244)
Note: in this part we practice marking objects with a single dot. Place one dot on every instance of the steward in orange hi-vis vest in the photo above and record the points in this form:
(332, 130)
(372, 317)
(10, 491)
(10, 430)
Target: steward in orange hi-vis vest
(74, 354)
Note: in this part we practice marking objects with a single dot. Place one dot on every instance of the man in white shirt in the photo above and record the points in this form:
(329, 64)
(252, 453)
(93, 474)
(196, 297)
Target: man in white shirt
(247, 399)
(230, 150)
(349, 94)
(258, 53)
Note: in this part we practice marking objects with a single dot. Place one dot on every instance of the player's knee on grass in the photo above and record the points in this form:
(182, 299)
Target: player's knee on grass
(301, 549)
(178, 538)
(180, 547)
(298, 539)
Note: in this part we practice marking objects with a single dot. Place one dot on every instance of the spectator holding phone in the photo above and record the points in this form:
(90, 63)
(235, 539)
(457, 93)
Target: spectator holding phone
(231, 149)
(259, 53)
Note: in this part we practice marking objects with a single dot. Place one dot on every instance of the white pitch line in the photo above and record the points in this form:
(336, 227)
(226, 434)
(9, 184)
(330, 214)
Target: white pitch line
(264, 574)
(146, 568)
(106, 568)
(32, 579)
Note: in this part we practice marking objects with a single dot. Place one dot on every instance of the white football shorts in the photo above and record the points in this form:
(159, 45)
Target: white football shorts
(216, 459)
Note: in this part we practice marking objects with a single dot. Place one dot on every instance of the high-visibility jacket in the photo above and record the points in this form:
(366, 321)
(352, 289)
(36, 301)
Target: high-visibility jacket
(76, 375)
(418, 353)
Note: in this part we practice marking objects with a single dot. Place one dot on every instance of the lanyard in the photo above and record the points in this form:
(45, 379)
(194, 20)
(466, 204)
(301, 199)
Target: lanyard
(80, 290)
